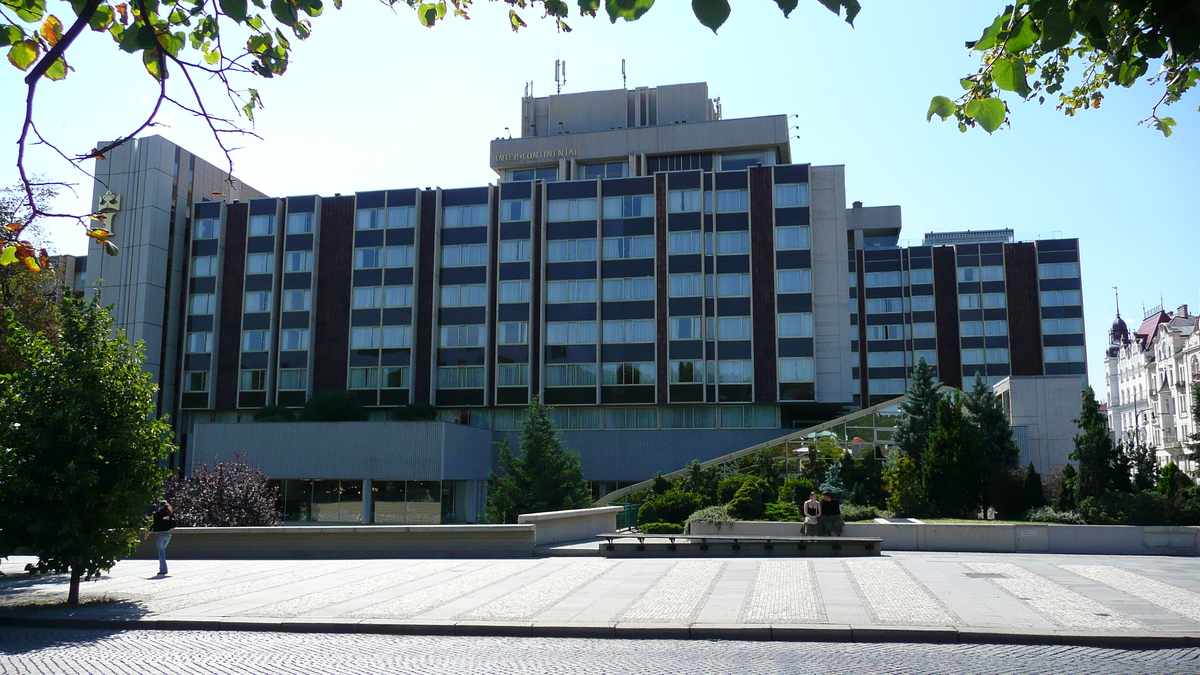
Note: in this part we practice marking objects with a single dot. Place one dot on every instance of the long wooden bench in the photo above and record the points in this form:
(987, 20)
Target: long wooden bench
(718, 544)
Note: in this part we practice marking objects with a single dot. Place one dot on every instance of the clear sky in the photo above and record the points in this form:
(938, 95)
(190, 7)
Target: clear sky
(373, 100)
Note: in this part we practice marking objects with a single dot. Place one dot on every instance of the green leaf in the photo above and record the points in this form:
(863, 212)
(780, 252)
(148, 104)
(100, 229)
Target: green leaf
(1164, 125)
(8, 256)
(212, 57)
(940, 106)
(234, 9)
(10, 35)
(1009, 75)
(630, 10)
(988, 112)
(711, 13)
(111, 248)
(23, 54)
(430, 12)
(988, 39)
(150, 60)
(27, 10)
(1056, 30)
(787, 6)
(1024, 37)
(102, 19)
(1130, 71)
(284, 11)
(58, 70)
(835, 6)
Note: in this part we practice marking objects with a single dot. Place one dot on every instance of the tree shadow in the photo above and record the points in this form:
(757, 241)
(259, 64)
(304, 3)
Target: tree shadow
(23, 639)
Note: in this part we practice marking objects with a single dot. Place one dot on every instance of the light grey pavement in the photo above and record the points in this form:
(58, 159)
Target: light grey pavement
(919, 597)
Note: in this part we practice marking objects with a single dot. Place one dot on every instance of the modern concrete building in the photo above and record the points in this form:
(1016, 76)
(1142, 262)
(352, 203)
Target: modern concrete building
(670, 281)
(1042, 413)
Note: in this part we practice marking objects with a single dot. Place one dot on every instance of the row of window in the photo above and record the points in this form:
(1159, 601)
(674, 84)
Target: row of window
(881, 279)
(907, 331)
(651, 417)
(900, 359)
(293, 261)
(917, 303)
(380, 256)
(984, 300)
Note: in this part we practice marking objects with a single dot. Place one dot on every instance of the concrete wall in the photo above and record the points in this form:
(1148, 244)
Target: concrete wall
(1046, 407)
(574, 525)
(831, 294)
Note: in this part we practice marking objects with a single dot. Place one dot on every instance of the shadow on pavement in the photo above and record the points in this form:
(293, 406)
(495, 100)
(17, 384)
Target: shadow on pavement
(19, 640)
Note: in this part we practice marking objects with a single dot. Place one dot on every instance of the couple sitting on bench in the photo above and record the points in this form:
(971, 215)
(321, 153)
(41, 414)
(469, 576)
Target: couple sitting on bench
(822, 516)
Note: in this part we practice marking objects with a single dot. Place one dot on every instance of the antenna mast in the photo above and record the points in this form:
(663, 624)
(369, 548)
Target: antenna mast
(623, 84)
(560, 74)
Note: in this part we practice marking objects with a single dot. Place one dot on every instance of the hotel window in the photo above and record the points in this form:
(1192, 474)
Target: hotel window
(968, 301)
(571, 375)
(1064, 354)
(1058, 270)
(366, 297)
(632, 206)
(195, 381)
(734, 328)
(460, 377)
(400, 216)
(298, 261)
(461, 336)
(970, 328)
(293, 339)
(253, 380)
(293, 379)
(886, 359)
(791, 194)
(515, 250)
(878, 279)
(680, 201)
(929, 355)
(397, 296)
(795, 325)
(629, 330)
(888, 332)
(260, 263)
(735, 372)
(689, 417)
(994, 301)
(205, 228)
(733, 201)
(922, 303)
(886, 386)
(567, 250)
(684, 327)
(1061, 326)
(199, 343)
(398, 256)
(620, 248)
(733, 285)
(202, 303)
(369, 219)
(512, 374)
(683, 242)
(364, 378)
(796, 370)
(605, 170)
(571, 290)
(997, 355)
(1061, 298)
(995, 328)
(514, 291)
(512, 333)
(300, 223)
(396, 337)
(465, 216)
(368, 258)
(261, 226)
(992, 272)
(684, 285)
(686, 372)
(547, 173)
(570, 332)
(465, 295)
(791, 238)
(512, 210)
(364, 337)
(642, 417)
(627, 373)
(572, 209)
(733, 242)
(920, 276)
(924, 330)
(794, 281)
(736, 161)
(395, 377)
(634, 288)
(258, 301)
(256, 340)
(886, 305)
(968, 274)
(464, 255)
(204, 266)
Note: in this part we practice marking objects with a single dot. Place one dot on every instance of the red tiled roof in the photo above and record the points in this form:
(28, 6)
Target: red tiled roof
(1148, 326)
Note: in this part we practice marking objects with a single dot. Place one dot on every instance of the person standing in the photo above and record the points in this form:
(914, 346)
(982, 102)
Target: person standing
(831, 511)
(812, 516)
(164, 522)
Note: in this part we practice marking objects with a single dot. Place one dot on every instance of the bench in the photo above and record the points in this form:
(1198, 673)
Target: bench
(706, 543)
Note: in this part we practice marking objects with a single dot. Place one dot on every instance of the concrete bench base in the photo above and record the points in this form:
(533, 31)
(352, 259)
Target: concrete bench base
(685, 546)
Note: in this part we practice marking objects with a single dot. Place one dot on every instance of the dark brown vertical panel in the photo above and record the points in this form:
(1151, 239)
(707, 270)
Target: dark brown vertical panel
(233, 278)
(945, 300)
(660, 272)
(762, 280)
(423, 316)
(489, 363)
(335, 258)
(1024, 309)
(535, 291)
(861, 302)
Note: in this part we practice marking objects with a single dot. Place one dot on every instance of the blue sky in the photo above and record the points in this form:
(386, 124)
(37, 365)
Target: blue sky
(374, 100)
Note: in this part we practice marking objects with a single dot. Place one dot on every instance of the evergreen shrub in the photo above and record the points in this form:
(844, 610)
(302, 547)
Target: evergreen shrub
(661, 528)
(1113, 507)
(673, 506)
(855, 513)
(750, 500)
(1047, 514)
(728, 487)
(796, 490)
(783, 512)
(717, 515)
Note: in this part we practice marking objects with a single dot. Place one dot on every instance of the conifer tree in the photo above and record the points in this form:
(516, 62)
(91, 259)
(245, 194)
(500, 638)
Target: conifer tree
(952, 467)
(544, 477)
(1094, 450)
(917, 413)
(991, 421)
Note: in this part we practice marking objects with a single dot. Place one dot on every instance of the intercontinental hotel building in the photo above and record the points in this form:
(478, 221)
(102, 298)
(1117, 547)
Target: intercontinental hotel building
(670, 281)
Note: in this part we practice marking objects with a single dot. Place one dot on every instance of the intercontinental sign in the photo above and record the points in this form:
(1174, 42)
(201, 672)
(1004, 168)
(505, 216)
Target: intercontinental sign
(529, 156)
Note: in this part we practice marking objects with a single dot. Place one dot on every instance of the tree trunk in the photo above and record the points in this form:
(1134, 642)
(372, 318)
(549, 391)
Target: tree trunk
(73, 594)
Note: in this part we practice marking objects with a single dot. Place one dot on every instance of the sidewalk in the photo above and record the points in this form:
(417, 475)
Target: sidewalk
(1103, 601)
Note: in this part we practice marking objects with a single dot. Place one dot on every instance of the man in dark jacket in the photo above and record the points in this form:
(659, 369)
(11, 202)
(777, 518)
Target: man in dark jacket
(831, 512)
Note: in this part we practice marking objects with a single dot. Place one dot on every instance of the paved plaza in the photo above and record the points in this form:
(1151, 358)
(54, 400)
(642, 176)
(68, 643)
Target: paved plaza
(919, 597)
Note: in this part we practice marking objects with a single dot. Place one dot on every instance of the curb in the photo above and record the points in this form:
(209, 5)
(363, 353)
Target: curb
(756, 633)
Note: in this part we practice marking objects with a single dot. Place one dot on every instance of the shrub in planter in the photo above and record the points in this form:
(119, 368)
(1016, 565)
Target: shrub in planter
(1047, 514)
(1126, 508)
(1187, 506)
(750, 501)
(728, 487)
(716, 515)
(661, 528)
(672, 506)
(1172, 481)
(784, 512)
(796, 490)
(855, 513)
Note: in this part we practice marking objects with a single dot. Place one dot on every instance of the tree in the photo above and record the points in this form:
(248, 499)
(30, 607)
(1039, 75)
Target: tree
(917, 413)
(275, 413)
(1030, 47)
(1094, 450)
(81, 454)
(1142, 461)
(32, 297)
(1066, 489)
(1031, 486)
(231, 494)
(952, 467)
(991, 421)
(544, 477)
(906, 489)
(833, 483)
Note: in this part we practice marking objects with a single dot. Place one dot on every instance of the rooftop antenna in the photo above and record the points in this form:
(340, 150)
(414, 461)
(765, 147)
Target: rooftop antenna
(1117, 294)
(717, 103)
(509, 131)
(560, 74)
(623, 84)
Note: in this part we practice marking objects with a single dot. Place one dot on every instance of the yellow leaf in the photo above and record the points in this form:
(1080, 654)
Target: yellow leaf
(32, 264)
(98, 233)
(8, 256)
(52, 29)
(14, 227)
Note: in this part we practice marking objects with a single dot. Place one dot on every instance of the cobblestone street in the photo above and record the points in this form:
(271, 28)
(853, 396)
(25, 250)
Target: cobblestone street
(246, 653)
